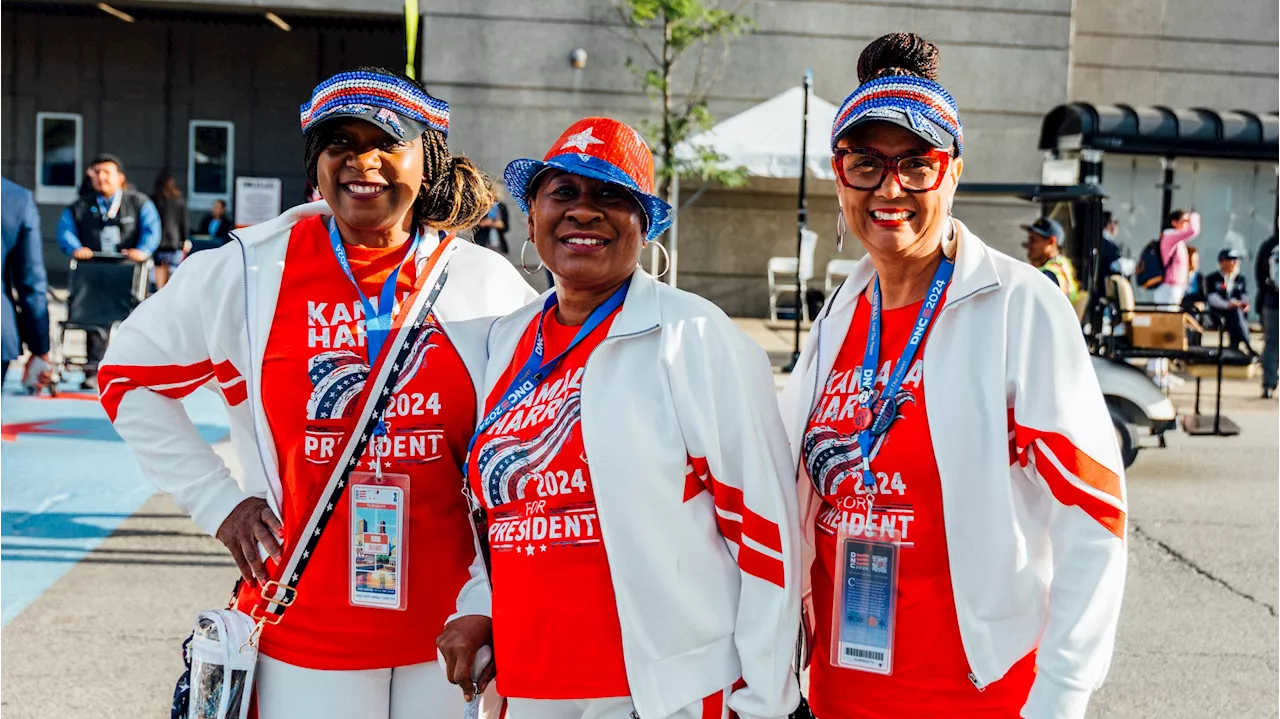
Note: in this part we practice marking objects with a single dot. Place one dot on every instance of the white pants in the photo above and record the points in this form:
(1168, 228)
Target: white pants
(1170, 298)
(715, 706)
(1168, 295)
(420, 691)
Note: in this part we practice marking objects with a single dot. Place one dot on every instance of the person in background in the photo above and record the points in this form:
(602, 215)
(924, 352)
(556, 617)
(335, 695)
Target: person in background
(1110, 248)
(492, 230)
(959, 480)
(173, 227)
(1112, 255)
(1044, 251)
(1265, 271)
(216, 224)
(1180, 228)
(26, 305)
(111, 220)
(1194, 301)
(1227, 292)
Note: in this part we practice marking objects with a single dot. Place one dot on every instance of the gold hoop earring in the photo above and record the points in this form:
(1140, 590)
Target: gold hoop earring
(661, 248)
(841, 230)
(525, 265)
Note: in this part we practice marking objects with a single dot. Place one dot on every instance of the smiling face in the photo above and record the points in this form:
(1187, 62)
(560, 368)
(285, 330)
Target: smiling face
(588, 233)
(369, 178)
(888, 220)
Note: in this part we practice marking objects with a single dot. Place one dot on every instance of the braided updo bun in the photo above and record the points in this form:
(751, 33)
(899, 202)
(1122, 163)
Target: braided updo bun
(898, 53)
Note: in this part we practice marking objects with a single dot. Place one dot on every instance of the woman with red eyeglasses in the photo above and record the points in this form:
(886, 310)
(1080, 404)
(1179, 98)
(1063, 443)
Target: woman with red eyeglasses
(961, 493)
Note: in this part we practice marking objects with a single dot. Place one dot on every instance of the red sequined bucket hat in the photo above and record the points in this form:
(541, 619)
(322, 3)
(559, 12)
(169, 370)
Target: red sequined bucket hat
(603, 149)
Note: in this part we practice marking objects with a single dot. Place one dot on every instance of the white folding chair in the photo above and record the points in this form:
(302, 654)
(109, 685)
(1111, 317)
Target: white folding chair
(782, 278)
(837, 270)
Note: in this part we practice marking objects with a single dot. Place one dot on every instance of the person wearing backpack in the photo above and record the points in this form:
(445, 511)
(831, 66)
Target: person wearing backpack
(1268, 301)
(1181, 227)
(1168, 274)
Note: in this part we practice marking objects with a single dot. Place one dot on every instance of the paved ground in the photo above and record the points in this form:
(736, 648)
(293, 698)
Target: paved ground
(1198, 635)
(101, 596)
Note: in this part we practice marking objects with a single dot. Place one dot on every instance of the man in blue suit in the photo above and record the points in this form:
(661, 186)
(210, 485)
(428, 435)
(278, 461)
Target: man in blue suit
(26, 305)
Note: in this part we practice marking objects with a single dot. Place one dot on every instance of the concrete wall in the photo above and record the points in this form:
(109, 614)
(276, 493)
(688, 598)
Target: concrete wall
(503, 64)
(1183, 53)
(1179, 53)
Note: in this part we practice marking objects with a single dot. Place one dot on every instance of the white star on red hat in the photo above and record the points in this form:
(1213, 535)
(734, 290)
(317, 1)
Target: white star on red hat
(581, 140)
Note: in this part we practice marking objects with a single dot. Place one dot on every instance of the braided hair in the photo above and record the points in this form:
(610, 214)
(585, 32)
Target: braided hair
(455, 194)
(898, 53)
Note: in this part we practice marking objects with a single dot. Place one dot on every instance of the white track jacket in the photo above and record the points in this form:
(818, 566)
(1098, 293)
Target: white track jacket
(1032, 483)
(696, 505)
(210, 325)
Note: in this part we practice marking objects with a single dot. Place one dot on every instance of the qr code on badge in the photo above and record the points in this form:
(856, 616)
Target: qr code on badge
(880, 564)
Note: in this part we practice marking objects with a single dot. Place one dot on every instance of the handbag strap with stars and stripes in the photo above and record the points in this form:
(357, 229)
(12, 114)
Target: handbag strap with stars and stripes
(278, 594)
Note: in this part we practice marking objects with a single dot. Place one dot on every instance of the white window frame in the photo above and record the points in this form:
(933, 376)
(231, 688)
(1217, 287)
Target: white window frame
(57, 194)
(205, 200)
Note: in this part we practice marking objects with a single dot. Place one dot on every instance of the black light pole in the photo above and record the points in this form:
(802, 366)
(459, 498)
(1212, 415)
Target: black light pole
(802, 218)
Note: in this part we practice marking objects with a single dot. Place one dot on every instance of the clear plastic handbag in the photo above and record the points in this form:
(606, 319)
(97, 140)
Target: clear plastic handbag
(222, 665)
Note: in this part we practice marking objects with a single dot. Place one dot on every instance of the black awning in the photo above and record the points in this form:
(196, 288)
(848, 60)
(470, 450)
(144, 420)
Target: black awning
(1198, 132)
(1030, 192)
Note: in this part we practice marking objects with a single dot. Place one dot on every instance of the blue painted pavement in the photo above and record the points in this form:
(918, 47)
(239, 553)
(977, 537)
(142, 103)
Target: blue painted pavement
(67, 480)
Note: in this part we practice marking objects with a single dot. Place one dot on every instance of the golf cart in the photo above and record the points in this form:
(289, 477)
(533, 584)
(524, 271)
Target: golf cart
(1138, 407)
(1118, 330)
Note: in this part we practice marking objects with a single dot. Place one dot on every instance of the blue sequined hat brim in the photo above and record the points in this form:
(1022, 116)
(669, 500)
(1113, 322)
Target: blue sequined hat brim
(520, 173)
(917, 104)
(401, 99)
(922, 127)
(392, 123)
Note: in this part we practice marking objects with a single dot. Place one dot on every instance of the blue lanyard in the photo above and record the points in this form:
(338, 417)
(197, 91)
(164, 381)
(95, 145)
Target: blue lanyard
(886, 409)
(535, 370)
(377, 321)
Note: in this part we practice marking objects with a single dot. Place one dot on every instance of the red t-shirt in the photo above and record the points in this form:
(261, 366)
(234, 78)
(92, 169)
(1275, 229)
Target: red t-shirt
(930, 671)
(556, 633)
(314, 373)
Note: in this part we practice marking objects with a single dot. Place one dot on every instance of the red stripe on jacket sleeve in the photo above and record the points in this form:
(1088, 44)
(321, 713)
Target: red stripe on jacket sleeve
(234, 388)
(173, 381)
(762, 566)
(731, 500)
(1080, 467)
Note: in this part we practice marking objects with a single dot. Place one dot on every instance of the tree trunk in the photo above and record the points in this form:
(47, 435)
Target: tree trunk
(668, 150)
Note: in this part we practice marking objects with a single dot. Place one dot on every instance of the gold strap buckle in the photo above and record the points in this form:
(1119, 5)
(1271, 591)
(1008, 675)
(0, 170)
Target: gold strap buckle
(271, 587)
(263, 616)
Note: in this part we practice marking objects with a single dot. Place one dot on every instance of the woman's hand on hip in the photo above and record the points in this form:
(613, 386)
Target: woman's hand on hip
(458, 644)
(251, 522)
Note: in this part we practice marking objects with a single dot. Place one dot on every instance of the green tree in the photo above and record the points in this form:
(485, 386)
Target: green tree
(689, 31)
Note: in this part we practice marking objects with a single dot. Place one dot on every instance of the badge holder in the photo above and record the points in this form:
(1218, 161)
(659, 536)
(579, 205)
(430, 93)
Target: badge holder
(864, 608)
(379, 529)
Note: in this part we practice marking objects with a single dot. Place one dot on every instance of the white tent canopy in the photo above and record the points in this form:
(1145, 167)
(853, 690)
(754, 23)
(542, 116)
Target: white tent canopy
(765, 139)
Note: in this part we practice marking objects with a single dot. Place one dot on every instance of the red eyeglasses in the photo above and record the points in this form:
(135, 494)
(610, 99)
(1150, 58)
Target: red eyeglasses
(862, 168)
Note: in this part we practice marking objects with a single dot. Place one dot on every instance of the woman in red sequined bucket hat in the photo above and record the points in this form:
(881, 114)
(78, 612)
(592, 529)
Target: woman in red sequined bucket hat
(632, 469)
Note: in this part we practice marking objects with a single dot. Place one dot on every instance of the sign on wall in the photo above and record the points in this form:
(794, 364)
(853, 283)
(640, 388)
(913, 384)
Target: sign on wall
(257, 200)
